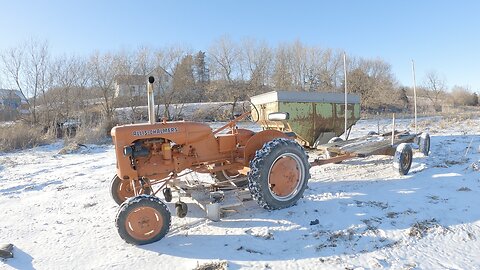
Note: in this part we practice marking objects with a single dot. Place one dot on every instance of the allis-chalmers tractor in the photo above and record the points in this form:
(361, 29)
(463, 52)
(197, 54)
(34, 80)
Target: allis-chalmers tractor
(152, 157)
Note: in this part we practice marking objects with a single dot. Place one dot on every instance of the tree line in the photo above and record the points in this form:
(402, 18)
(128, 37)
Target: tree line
(65, 86)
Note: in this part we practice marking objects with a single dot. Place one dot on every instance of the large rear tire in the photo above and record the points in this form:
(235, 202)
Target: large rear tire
(121, 190)
(279, 173)
(142, 220)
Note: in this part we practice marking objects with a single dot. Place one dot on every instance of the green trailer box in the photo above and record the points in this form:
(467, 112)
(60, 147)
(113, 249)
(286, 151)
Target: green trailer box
(315, 117)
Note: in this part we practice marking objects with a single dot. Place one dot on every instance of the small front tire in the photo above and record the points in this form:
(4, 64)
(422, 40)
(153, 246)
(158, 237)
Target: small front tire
(142, 220)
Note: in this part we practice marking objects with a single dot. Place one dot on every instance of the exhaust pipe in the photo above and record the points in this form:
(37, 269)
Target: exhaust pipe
(151, 112)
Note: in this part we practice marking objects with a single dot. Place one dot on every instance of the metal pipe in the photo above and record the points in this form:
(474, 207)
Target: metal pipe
(346, 102)
(151, 112)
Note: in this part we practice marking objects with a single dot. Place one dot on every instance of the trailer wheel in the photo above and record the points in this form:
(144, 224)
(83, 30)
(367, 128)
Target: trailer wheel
(142, 220)
(279, 173)
(402, 160)
(121, 190)
(424, 143)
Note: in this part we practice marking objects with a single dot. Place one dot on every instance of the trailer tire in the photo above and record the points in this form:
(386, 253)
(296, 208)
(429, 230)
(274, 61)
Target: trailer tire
(121, 190)
(402, 160)
(424, 143)
(279, 173)
(142, 220)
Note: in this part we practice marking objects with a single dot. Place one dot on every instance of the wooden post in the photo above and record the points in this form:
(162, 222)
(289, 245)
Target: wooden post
(414, 95)
(346, 95)
(393, 128)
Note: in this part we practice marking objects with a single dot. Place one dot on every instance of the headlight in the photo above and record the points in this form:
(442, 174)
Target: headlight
(127, 151)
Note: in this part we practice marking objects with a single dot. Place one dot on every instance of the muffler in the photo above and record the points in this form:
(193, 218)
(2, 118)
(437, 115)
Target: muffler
(151, 112)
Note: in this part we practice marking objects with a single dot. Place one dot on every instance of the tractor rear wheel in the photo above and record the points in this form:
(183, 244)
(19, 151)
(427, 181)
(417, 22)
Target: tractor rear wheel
(142, 220)
(121, 190)
(402, 160)
(279, 173)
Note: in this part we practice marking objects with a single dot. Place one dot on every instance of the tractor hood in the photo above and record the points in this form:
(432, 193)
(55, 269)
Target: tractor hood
(178, 132)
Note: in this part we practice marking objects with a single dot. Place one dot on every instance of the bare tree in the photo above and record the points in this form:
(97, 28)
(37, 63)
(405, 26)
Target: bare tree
(258, 59)
(166, 60)
(227, 69)
(69, 78)
(27, 66)
(104, 68)
(435, 87)
(374, 81)
(282, 77)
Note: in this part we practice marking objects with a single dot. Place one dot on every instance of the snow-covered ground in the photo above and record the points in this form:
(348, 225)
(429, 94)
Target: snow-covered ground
(57, 211)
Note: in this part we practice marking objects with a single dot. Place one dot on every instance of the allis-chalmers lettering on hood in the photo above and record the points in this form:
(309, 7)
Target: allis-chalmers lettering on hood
(139, 133)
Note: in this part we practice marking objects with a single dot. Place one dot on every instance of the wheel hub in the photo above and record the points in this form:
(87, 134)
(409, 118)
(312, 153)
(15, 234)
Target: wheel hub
(284, 176)
(144, 222)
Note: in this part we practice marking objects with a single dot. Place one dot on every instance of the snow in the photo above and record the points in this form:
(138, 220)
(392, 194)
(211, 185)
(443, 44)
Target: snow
(57, 211)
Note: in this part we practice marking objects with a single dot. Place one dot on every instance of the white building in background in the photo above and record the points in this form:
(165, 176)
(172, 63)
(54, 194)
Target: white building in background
(136, 85)
(130, 85)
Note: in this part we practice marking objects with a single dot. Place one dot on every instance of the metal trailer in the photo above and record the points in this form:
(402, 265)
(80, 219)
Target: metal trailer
(314, 117)
(400, 146)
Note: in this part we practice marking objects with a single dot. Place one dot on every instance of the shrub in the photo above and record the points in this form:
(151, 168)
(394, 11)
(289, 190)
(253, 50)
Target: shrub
(22, 136)
(94, 134)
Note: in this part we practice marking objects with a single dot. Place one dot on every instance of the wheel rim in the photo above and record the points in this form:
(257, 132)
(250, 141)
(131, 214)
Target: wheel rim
(143, 223)
(285, 177)
(407, 160)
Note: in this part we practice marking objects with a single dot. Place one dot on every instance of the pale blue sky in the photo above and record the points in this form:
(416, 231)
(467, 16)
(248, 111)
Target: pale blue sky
(439, 35)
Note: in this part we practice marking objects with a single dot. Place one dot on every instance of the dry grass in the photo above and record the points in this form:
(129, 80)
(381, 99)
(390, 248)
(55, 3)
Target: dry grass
(22, 136)
(98, 134)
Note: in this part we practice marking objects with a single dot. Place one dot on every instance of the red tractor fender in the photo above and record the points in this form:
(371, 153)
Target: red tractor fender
(258, 140)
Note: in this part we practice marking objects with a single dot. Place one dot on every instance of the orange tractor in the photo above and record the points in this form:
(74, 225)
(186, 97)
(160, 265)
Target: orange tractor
(152, 157)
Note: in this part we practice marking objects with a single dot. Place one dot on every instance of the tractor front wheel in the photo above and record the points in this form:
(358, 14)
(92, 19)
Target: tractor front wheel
(142, 220)
(121, 190)
(279, 173)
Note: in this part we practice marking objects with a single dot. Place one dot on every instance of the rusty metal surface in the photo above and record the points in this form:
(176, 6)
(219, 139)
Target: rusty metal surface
(308, 119)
